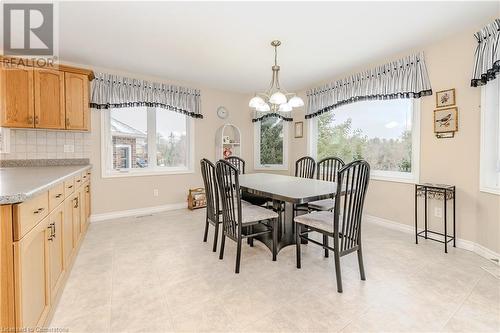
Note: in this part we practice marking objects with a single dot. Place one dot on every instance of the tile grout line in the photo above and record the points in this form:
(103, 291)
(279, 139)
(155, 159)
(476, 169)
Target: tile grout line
(459, 306)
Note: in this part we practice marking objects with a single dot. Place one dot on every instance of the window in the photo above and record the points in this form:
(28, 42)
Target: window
(383, 132)
(490, 137)
(144, 141)
(271, 146)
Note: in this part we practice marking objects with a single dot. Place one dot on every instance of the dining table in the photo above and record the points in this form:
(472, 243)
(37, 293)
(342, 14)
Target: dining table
(288, 190)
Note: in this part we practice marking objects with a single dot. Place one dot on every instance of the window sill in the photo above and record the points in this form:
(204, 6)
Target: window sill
(145, 173)
(490, 190)
(395, 179)
(271, 168)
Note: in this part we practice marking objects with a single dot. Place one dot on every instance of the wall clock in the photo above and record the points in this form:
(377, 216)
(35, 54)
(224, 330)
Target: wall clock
(222, 112)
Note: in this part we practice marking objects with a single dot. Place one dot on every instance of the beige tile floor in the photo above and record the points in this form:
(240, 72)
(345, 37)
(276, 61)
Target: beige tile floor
(154, 274)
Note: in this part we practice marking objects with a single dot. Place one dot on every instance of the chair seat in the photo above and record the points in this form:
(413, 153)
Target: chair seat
(325, 204)
(251, 214)
(321, 220)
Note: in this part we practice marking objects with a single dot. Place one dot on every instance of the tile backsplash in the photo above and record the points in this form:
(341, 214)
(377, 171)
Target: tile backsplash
(46, 144)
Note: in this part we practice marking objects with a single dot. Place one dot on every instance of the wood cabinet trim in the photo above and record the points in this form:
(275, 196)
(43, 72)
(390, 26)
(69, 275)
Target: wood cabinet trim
(7, 303)
(6, 60)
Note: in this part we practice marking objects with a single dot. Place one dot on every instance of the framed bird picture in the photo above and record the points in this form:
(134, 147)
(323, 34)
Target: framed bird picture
(446, 122)
(445, 98)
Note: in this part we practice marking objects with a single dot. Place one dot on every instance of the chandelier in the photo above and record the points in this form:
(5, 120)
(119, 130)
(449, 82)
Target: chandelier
(275, 99)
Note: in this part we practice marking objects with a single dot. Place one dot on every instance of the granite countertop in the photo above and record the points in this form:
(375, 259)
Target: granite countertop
(19, 184)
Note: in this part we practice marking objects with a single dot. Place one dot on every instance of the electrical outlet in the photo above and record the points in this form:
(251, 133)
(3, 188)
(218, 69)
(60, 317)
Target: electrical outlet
(438, 212)
(155, 192)
(69, 148)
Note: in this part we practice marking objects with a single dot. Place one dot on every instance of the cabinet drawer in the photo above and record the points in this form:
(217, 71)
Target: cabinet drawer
(69, 187)
(78, 181)
(56, 196)
(29, 213)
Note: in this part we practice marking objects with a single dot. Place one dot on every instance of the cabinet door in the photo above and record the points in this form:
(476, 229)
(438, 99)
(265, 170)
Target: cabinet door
(67, 232)
(16, 97)
(77, 101)
(31, 270)
(55, 239)
(76, 218)
(49, 99)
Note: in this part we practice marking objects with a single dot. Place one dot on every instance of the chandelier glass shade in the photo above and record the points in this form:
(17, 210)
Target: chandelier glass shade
(275, 99)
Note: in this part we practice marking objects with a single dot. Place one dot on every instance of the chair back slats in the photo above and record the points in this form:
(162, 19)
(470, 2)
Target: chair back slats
(238, 163)
(304, 167)
(352, 184)
(229, 189)
(327, 168)
(211, 189)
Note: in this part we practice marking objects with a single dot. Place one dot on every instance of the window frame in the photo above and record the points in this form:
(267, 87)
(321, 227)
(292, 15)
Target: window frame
(412, 177)
(277, 167)
(107, 170)
(484, 153)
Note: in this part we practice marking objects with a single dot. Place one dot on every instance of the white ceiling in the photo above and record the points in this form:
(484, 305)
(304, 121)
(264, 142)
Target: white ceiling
(226, 44)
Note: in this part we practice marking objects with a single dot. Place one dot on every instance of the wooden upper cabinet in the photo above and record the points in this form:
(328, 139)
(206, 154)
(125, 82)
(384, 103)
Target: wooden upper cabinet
(16, 96)
(77, 101)
(49, 99)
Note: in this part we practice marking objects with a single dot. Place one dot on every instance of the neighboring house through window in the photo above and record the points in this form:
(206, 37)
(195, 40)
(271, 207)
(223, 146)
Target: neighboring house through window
(142, 140)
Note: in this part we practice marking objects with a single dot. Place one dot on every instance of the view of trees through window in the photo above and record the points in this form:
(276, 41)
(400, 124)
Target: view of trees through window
(377, 131)
(271, 141)
(130, 134)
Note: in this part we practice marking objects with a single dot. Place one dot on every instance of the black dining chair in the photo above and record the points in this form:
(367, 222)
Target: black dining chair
(326, 170)
(212, 196)
(304, 168)
(344, 223)
(238, 163)
(237, 216)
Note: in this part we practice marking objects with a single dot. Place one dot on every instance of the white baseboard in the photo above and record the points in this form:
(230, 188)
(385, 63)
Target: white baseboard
(461, 243)
(136, 212)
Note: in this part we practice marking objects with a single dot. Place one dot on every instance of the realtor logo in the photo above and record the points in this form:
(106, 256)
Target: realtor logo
(28, 29)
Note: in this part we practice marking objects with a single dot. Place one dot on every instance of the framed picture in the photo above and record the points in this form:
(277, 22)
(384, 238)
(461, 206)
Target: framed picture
(299, 129)
(445, 122)
(445, 98)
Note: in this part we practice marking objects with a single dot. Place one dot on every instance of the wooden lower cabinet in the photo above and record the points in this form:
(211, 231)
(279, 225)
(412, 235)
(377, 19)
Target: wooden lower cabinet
(31, 271)
(34, 267)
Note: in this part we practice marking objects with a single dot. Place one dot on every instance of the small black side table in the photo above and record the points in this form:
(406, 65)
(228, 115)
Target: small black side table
(440, 192)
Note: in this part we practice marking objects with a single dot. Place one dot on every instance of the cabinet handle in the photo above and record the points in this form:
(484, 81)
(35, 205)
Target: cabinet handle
(76, 203)
(79, 180)
(51, 236)
(71, 186)
(39, 210)
(87, 188)
(58, 195)
(67, 122)
(36, 120)
(30, 119)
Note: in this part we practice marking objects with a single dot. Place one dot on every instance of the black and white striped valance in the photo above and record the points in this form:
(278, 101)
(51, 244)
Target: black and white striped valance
(487, 56)
(404, 78)
(259, 116)
(111, 91)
